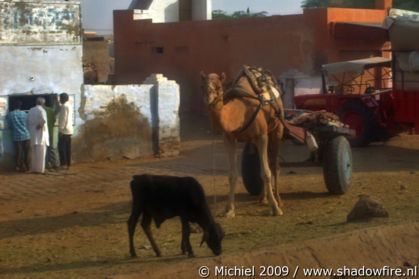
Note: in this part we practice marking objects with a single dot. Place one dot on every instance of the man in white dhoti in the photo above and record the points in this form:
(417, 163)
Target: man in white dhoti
(37, 125)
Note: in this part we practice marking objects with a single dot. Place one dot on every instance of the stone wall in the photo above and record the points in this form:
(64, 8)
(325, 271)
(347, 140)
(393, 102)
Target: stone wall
(129, 121)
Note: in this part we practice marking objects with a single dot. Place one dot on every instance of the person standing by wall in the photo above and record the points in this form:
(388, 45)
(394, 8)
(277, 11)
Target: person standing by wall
(37, 125)
(65, 124)
(21, 136)
(52, 160)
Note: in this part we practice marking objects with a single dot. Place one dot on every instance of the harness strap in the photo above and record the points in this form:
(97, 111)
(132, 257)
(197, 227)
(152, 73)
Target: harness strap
(241, 130)
(254, 77)
(239, 92)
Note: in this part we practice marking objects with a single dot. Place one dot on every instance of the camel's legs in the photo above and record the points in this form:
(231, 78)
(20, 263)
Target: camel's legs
(274, 143)
(230, 145)
(263, 199)
(262, 145)
(275, 182)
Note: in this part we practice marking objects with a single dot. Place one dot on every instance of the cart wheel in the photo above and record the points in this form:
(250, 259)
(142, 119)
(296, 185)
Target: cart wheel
(337, 165)
(359, 118)
(251, 170)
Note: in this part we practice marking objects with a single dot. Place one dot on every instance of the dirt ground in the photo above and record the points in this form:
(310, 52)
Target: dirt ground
(73, 224)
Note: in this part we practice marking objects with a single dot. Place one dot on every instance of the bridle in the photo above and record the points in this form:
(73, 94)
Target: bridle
(217, 92)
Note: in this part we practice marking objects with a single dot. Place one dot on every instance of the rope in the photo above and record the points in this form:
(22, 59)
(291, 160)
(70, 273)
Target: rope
(213, 172)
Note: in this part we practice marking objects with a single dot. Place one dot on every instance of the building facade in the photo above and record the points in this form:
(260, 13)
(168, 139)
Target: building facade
(302, 43)
(40, 54)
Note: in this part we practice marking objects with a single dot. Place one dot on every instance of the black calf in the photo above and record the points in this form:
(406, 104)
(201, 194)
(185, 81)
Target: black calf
(162, 197)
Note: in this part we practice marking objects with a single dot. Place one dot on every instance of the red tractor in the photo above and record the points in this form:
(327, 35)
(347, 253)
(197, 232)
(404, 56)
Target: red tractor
(358, 91)
(377, 97)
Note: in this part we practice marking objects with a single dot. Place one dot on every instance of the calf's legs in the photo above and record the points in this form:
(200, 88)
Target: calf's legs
(145, 223)
(186, 245)
(132, 222)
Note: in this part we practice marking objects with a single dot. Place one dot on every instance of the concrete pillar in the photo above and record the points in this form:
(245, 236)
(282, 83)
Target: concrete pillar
(201, 10)
(289, 93)
(383, 4)
(165, 103)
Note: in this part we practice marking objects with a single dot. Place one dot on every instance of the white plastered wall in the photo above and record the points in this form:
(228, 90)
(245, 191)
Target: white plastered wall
(160, 11)
(41, 70)
(156, 91)
(38, 70)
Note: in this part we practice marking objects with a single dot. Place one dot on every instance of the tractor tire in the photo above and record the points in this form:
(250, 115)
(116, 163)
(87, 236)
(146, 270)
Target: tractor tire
(337, 165)
(361, 119)
(250, 170)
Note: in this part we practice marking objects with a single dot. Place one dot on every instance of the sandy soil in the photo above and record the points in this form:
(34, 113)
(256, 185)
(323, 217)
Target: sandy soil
(79, 231)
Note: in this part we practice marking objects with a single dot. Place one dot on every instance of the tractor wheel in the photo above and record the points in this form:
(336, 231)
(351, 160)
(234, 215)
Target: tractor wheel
(251, 170)
(361, 119)
(337, 165)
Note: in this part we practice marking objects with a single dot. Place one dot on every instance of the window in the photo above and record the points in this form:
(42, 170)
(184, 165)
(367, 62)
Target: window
(158, 50)
(29, 101)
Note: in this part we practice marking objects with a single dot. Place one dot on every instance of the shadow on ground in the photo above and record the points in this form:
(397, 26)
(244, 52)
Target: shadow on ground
(39, 225)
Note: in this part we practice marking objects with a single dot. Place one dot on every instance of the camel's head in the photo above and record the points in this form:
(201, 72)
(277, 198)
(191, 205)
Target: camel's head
(212, 87)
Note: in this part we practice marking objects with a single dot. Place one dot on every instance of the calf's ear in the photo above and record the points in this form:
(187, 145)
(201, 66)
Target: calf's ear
(220, 230)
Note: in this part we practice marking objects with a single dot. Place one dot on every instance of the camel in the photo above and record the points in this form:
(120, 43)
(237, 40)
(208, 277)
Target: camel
(245, 117)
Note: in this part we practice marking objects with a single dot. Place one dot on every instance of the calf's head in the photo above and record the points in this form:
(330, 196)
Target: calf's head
(213, 238)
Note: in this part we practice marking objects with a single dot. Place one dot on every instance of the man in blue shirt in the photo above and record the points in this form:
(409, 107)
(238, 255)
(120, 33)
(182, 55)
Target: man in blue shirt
(21, 136)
